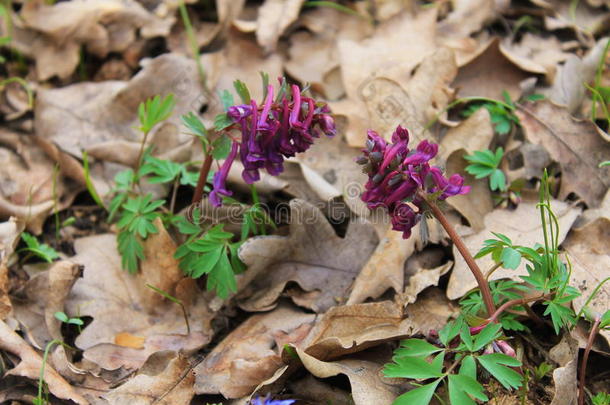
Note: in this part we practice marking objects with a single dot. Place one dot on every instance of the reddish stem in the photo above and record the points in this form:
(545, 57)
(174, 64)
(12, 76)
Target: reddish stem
(203, 176)
(515, 302)
(585, 359)
(474, 268)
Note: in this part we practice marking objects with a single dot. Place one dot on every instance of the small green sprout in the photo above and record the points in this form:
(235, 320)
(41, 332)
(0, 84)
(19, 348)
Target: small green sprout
(35, 248)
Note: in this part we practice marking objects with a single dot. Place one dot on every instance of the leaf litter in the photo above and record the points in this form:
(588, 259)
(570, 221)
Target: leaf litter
(325, 293)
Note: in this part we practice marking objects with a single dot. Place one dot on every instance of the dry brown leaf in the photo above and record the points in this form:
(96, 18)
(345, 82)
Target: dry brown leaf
(54, 34)
(368, 386)
(321, 263)
(315, 391)
(26, 183)
(525, 232)
(421, 280)
(40, 298)
(582, 18)
(489, 74)
(568, 88)
(397, 46)
(119, 302)
(576, 145)
(166, 378)
(352, 328)
(9, 238)
(475, 205)
(86, 114)
(466, 18)
(384, 269)
(431, 311)
(589, 255)
(31, 364)
(330, 169)
(249, 354)
(535, 54)
(565, 376)
(274, 16)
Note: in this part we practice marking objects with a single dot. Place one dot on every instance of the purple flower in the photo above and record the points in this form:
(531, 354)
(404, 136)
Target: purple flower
(272, 132)
(220, 178)
(268, 401)
(397, 176)
(403, 219)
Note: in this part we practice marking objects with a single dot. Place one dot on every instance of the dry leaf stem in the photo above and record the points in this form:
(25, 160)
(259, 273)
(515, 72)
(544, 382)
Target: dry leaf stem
(585, 359)
(474, 267)
(203, 176)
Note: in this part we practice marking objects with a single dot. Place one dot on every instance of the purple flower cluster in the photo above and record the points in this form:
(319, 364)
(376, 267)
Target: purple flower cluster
(268, 401)
(398, 175)
(272, 132)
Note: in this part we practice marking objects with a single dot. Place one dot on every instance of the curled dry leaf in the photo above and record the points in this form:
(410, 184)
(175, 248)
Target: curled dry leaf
(589, 255)
(31, 364)
(565, 376)
(54, 34)
(120, 303)
(396, 47)
(323, 264)
(274, 16)
(84, 115)
(28, 190)
(41, 297)
(9, 238)
(353, 328)
(535, 54)
(583, 18)
(576, 145)
(489, 74)
(431, 311)
(167, 378)
(423, 279)
(524, 234)
(368, 387)
(568, 88)
(250, 354)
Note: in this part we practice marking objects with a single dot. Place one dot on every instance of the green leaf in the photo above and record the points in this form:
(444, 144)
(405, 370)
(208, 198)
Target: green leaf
(227, 99)
(489, 333)
(41, 250)
(194, 124)
(418, 396)
(468, 367)
(466, 337)
(560, 315)
(222, 277)
(163, 171)
(496, 365)
(221, 147)
(416, 348)
(242, 91)
(497, 181)
(131, 250)
(90, 187)
(450, 330)
(222, 121)
(511, 258)
(61, 316)
(535, 97)
(207, 262)
(76, 321)
(155, 110)
(411, 367)
(605, 319)
(461, 387)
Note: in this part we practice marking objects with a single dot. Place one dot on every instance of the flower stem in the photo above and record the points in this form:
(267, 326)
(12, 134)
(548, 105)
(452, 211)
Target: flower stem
(461, 247)
(585, 359)
(514, 303)
(203, 176)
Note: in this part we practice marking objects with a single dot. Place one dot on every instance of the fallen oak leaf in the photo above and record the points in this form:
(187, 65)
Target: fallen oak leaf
(320, 262)
(249, 354)
(576, 145)
(274, 16)
(31, 365)
(166, 378)
(119, 303)
(353, 328)
(9, 238)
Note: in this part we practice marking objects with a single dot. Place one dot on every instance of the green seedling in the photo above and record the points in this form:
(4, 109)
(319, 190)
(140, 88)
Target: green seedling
(35, 248)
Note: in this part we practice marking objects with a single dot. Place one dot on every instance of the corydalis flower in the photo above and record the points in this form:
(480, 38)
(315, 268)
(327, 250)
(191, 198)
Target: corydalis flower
(272, 132)
(268, 401)
(398, 175)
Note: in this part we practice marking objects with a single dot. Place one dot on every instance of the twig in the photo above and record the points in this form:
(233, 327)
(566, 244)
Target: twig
(172, 203)
(474, 268)
(585, 359)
